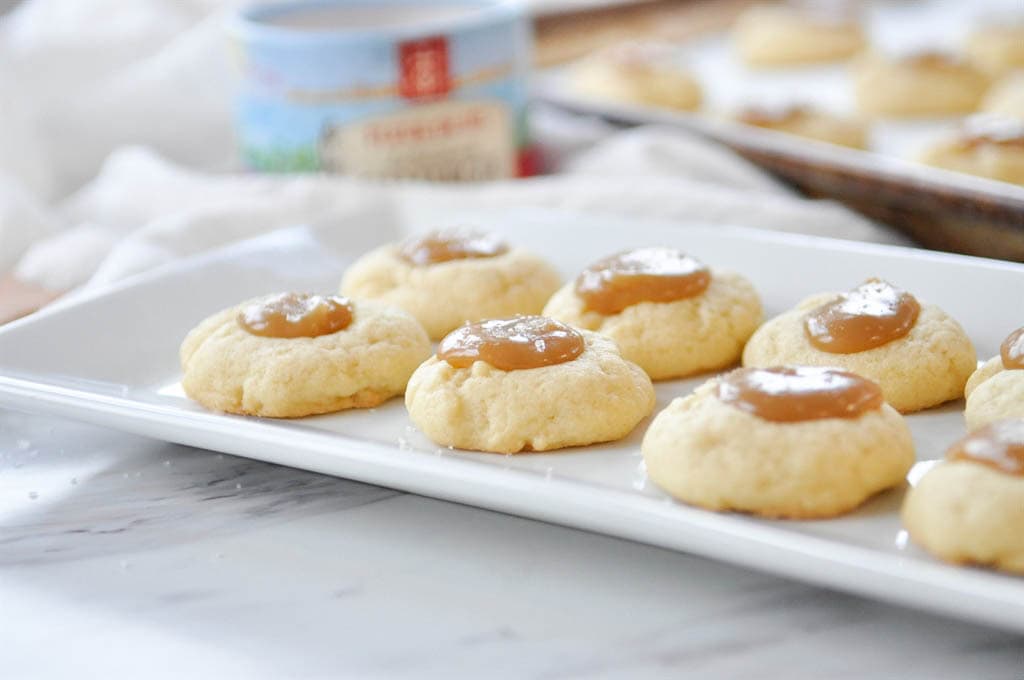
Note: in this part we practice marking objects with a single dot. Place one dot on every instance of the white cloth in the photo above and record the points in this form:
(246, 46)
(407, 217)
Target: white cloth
(116, 155)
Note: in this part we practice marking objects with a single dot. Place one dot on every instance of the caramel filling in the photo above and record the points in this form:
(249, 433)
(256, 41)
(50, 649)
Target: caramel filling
(871, 315)
(642, 275)
(985, 130)
(1012, 350)
(763, 116)
(448, 245)
(512, 344)
(932, 59)
(999, 446)
(789, 395)
(296, 315)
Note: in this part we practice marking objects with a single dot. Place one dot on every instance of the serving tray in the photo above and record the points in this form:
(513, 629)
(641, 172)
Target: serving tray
(111, 358)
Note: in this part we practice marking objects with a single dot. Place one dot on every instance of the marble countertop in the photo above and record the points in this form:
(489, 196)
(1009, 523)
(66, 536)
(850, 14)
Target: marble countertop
(126, 557)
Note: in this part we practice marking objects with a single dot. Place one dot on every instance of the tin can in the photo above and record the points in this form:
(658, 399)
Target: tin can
(385, 88)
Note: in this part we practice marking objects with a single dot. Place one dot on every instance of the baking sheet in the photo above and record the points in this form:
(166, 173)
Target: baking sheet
(939, 208)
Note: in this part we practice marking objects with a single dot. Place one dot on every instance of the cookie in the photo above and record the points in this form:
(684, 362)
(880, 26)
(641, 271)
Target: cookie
(448, 277)
(797, 443)
(527, 384)
(918, 354)
(804, 121)
(917, 85)
(773, 35)
(666, 312)
(969, 509)
(1006, 97)
(997, 49)
(986, 145)
(291, 355)
(996, 390)
(983, 373)
(648, 74)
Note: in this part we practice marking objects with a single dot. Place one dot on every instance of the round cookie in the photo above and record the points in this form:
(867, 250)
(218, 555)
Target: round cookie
(674, 338)
(987, 146)
(810, 123)
(925, 367)
(983, 373)
(712, 451)
(997, 49)
(477, 277)
(923, 84)
(996, 390)
(638, 73)
(773, 35)
(970, 509)
(228, 368)
(998, 398)
(1006, 97)
(591, 396)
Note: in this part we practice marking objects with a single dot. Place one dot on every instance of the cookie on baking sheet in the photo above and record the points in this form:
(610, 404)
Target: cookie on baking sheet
(997, 48)
(918, 354)
(665, 310)
(1006, 97)
(777, 35)
(296, 354)
(526, 384)
(996, 390)
(447, 277)
(969, 509)
(917, 85)
(986, 145)
(808, 122)
(638, 73)
(787, 442)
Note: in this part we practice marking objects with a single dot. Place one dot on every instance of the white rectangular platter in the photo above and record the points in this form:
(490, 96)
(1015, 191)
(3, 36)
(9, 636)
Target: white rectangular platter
(111, 358)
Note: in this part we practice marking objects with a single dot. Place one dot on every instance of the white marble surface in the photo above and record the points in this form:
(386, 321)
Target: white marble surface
(126, 557)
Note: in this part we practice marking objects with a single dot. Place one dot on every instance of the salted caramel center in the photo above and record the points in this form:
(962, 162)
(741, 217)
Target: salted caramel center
(869, 316)
(999, 446)
(789, 395)
(934, 59)
(448, 245)
(512, 344)
(296, 315)
(1012, 350)
(642, 275)
(766, 116)
(987, 130)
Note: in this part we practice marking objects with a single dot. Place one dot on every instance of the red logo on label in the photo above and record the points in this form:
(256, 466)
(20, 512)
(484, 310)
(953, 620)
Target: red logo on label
(424, 65)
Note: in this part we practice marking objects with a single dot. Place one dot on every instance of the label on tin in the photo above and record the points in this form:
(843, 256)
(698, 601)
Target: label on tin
(449, 140)
(424, 68)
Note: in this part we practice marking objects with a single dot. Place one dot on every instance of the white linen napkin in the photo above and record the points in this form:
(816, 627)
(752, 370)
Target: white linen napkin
(117, 156)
